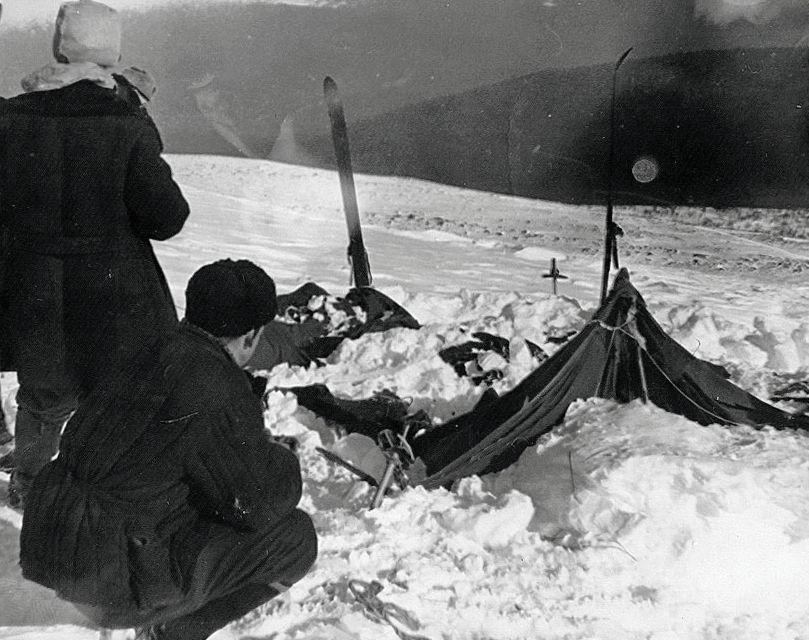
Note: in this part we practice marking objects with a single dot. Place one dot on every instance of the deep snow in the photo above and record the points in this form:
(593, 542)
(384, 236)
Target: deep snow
(626, 522)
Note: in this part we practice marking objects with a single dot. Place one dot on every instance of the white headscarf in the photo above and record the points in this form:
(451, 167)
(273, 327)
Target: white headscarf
(87, 46)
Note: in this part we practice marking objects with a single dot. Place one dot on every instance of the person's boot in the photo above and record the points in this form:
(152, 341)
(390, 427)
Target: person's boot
(153, 632)
(36, 442)
(7, 462)
(5, 434)
(216, 614)
(17, 489)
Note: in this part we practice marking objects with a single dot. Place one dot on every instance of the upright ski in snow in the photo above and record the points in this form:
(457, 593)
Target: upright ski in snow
(360, 267)
(611, 230)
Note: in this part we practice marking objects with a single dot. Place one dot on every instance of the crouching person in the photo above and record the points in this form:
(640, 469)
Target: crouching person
(168, 508)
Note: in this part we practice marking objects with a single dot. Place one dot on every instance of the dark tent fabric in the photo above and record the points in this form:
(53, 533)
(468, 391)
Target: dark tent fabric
(304, 336)
(621, 354)
(384, 410)
(461, 355)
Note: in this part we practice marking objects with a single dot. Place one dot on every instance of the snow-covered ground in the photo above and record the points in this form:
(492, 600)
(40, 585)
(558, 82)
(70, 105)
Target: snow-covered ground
(626, 522)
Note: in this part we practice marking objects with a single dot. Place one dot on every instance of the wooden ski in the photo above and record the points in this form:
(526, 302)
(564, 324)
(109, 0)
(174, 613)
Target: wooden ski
(610, 228)
(357, 256)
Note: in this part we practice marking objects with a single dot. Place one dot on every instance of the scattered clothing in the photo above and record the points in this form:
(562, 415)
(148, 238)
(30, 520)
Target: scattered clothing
(312, 323)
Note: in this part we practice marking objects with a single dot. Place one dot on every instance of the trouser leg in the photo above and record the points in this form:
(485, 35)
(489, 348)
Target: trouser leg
(41, 415)
(237, 573)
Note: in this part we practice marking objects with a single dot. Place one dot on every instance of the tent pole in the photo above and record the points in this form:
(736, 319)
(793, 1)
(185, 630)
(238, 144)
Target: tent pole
(609, 230)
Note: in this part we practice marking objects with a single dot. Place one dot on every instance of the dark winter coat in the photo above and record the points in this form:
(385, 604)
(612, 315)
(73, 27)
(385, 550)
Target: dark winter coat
(82, 191)
(149, 462)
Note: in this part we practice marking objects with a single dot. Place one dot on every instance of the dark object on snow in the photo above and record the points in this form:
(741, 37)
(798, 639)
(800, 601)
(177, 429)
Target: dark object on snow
(459, 355)
(305, 337)
(384, 410)
(381, 313)
(300, 297)
(560, 338)
(555, 276)
(621, 354)
(793, 392)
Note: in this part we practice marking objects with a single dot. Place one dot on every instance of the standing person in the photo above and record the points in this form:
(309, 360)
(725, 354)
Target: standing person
(83, 189)
(170, 507)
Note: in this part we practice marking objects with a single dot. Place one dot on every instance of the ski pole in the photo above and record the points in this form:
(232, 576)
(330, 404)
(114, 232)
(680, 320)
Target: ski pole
(555, 274)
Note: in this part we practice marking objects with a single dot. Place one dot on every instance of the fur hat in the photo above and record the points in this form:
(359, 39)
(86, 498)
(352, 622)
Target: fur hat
(229, 298)
(87, 31)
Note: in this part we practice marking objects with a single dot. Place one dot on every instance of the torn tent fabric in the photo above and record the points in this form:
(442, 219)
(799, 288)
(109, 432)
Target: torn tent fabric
(312, 323)
(470, 358)
(621, 354)
(384, 410)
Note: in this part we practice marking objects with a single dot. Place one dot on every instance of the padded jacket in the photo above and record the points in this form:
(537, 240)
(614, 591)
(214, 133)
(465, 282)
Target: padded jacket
(155, 457)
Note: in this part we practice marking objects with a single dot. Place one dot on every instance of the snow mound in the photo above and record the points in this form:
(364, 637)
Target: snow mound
(713, 514)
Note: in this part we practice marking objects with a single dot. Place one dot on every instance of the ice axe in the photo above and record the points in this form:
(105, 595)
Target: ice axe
(398, 455)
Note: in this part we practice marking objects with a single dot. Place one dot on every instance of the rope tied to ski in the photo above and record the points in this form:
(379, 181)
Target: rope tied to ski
(367, 595)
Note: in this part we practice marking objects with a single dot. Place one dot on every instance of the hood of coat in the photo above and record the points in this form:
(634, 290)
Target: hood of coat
(58, 75)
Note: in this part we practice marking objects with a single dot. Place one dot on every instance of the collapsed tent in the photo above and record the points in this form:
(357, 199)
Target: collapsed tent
(621, 354)
(473, 358)
(368, 417)
(311, 324)
(386, 411)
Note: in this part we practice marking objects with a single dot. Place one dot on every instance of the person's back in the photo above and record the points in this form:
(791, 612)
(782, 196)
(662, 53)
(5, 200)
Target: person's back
(81, 199)
(82, 192)
(168, 495)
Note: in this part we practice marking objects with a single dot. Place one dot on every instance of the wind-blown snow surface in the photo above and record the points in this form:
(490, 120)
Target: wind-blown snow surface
(626, 522)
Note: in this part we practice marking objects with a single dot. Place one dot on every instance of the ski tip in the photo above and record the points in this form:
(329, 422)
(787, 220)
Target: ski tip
(329, 84)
